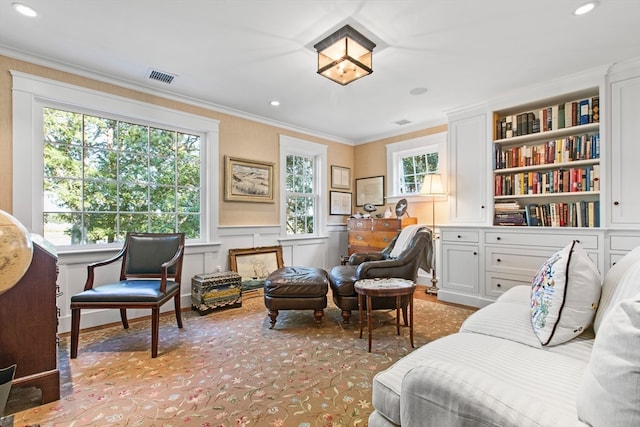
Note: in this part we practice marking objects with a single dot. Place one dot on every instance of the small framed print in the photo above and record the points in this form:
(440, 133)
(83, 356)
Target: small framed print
(370, 190)
(340, 177)
(340, 203)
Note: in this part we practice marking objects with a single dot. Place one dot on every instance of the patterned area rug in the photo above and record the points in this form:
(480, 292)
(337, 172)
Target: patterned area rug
(229, 369)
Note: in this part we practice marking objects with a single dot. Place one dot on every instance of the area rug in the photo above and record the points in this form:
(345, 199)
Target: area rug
(229, 369)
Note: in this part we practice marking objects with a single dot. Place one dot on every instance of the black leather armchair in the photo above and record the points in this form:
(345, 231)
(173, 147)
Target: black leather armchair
(417, 254)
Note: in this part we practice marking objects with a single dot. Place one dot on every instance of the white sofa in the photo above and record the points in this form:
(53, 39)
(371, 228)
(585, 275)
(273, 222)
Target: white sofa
(496, 372)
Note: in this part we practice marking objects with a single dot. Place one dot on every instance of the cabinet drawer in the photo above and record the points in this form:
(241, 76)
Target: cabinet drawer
(624, 243)
(381, 239)
(360, 224)
(496, 284)
(523, 261)
(460, 236)
(558, 240)
(361, 238)
(387, 225)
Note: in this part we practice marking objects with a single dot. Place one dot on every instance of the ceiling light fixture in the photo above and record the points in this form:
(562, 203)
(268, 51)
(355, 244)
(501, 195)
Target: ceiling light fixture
(25, 10)
(585, 8)
(345, 56)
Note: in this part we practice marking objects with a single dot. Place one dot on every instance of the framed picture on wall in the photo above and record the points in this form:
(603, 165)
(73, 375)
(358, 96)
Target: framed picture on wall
(340, 203)
(340, 177)
(370, 190)
(248, 180)
(255, 264)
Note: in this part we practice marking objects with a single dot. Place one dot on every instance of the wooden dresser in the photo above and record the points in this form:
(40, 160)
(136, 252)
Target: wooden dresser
(29, 325)
(374, 234)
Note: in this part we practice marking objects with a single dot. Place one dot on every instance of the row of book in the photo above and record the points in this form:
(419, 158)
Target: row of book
(561, 150)
(574, 214)
(560, 116)
(552, 181)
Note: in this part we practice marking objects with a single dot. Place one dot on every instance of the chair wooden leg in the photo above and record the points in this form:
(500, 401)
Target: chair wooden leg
(178, 310)
(123, 316)
(155, 327)
(75, 331)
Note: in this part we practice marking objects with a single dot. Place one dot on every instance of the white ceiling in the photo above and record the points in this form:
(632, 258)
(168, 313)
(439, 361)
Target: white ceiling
(241, 54)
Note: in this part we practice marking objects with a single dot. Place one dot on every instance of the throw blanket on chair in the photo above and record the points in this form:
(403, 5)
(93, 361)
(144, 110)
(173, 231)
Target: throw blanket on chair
(404, 238)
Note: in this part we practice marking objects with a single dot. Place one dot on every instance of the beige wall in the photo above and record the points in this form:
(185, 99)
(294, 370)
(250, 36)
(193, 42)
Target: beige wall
(371, 160)
(238, 137)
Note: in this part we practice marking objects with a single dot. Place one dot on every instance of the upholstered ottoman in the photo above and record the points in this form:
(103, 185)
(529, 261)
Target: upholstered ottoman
(296, 288)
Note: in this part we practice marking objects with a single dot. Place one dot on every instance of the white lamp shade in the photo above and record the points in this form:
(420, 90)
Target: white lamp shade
(432, 185)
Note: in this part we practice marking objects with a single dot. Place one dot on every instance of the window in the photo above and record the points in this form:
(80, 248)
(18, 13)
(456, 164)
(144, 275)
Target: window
(303, 202)
(104, 177)
(301, 198)
(95, 165)
(409, 161)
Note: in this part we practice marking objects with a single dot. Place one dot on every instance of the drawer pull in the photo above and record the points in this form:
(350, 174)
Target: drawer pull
(616, 203)
(498, 238)
(498, 260)
(475, 253)
(385, 224)
(459, 236)
(498, 285)
(359, 224)
(385, 239)
(482, 207)
(359, 237)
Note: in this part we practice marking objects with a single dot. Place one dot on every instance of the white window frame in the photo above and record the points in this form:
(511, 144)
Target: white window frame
(32, 93)
(397, 151)
(299, 147)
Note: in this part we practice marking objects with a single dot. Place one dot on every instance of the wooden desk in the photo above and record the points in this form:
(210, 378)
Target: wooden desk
(391, 287)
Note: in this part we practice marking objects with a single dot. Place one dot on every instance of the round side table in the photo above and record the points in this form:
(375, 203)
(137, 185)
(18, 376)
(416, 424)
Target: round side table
(388, 287)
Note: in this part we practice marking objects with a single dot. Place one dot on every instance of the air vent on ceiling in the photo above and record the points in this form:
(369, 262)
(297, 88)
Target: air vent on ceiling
(161, 76)
(402, 122)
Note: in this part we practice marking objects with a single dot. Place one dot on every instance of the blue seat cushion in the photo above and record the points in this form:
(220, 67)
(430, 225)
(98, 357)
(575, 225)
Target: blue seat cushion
(126, 291)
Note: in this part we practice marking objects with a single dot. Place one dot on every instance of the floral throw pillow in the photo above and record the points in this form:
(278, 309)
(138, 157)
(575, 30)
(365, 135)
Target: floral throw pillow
(564, 295)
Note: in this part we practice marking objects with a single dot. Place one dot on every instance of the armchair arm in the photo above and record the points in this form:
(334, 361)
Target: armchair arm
(360, 257)
(382, 268)
(91, 267)
(164, 268)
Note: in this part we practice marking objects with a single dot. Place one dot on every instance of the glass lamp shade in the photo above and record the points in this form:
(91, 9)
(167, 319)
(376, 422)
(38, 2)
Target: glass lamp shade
(345, 56)
(432, 185)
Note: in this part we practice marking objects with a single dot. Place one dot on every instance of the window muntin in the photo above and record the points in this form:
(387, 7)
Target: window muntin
(301, 198)
(413, 168)
(104, 177)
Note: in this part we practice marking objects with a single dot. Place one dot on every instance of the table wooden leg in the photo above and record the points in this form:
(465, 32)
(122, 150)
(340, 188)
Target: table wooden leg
(360, 312)
(398, 298)
(411, 320)
(369, 319)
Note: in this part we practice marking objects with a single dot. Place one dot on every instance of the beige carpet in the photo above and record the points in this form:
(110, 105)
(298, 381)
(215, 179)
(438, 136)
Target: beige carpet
(229, 369)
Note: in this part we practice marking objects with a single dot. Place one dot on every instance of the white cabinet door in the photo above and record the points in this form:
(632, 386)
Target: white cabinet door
(625, 153)
(467, 170)
(461, 269)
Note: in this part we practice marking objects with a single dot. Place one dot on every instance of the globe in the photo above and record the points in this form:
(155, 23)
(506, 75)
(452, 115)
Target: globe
(16, 251)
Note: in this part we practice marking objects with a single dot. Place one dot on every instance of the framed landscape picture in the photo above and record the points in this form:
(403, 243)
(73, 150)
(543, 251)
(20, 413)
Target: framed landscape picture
(248, 180)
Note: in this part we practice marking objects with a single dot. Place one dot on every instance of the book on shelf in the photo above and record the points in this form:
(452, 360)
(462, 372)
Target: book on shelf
(584, 112)
(595, 109)
(531, 215)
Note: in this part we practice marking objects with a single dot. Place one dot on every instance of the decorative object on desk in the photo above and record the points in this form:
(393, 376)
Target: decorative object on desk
(255, 264)
(388, 214)
(369, 207)
(432, 187)
(340, 177)
(345, 56)
(370, 190)
(340, 203)
(16, 251)
(248, 180)
(401, 208)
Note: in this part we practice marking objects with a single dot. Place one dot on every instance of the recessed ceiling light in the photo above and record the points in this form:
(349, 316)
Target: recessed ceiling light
(418, 91)
(585, 8)
(25, 10)
(275, 103)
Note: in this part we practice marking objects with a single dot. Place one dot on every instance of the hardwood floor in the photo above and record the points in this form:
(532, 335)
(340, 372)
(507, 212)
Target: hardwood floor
(421, 293)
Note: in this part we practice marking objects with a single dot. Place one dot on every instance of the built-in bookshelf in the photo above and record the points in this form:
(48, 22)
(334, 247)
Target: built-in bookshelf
(546, 164)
